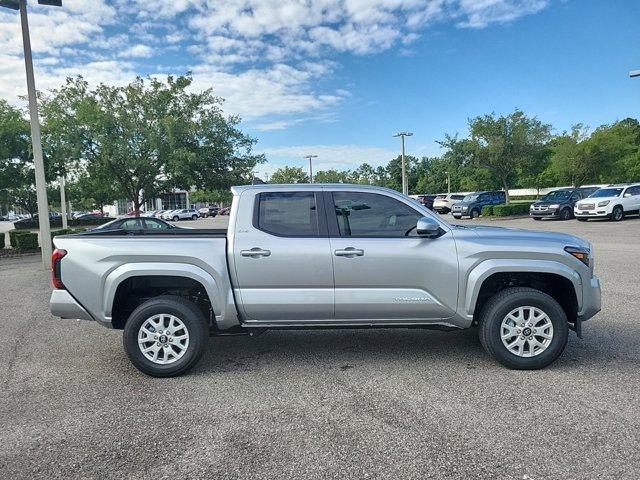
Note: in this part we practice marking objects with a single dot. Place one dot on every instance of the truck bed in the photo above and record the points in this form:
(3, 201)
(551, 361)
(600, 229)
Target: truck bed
(178, 232)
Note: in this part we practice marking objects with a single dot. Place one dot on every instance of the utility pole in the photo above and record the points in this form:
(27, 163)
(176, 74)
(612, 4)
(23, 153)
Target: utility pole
(41, 185)
(63, 202)
(448, 182)
(310, 157)
(405, 184)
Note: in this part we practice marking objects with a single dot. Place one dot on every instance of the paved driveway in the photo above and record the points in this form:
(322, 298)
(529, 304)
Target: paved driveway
(324, 404)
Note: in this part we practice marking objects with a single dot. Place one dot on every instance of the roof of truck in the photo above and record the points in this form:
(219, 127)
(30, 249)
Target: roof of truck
(237, 190)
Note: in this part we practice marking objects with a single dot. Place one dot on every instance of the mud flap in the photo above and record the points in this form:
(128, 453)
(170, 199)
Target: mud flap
(577, 327)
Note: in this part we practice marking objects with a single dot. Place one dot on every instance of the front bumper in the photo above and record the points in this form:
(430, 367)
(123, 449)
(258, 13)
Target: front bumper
(544, 213)
(601, 213)
(591, 299)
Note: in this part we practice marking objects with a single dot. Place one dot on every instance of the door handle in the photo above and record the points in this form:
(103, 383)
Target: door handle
(349, 252)
(255, 252)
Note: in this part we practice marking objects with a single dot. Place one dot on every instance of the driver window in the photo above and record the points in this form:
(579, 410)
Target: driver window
(131, 224)
(373, 215)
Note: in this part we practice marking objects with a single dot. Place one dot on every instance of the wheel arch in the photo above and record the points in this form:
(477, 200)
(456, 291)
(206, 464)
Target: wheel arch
(162, 277)
(556, 279)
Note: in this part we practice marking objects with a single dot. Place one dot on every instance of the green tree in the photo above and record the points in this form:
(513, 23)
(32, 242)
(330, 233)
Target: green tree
(332, 176)
(504, 144)
(147, 136)
(289, 175)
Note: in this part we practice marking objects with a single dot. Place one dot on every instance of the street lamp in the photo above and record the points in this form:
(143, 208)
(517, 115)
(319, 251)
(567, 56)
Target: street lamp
(41, 183)
(310, 157)
(405, 186)
(634, 73)
(448, 182)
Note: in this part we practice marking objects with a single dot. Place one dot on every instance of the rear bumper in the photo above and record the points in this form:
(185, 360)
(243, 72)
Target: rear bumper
(63, 305)
(591, 299)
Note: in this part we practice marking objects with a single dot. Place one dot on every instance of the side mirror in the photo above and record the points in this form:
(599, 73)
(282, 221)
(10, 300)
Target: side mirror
(427, 227)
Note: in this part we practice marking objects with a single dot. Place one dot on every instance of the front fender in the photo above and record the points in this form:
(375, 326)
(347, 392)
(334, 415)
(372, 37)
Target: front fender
(117, 276)
(484, 270)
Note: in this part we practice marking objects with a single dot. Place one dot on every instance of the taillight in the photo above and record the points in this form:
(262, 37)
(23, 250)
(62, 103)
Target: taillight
(56, 278)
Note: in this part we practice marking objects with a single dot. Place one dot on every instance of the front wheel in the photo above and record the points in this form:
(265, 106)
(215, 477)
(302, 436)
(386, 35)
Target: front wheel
(565, 214)
(523, 328)
(176, 218)
(617, 214)
(165, 336)
(194, 217)
(475, 213)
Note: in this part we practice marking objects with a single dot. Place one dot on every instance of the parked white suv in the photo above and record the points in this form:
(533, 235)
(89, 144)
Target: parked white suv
(444, 202)
(613, 202)
(182, 214)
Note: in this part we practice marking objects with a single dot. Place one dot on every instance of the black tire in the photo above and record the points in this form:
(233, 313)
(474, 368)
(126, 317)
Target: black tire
(191, 317)
(537, 218)
(581, 219)
(176, 218)
(565, 214)
(617, 214)
(194, 217)
(497, 309)
(475, 213)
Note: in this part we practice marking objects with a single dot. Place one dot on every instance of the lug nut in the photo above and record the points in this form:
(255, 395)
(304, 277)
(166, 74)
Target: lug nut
(155, 337)
(519, 331)
(522, 337)
(534, 330)
(530, 338)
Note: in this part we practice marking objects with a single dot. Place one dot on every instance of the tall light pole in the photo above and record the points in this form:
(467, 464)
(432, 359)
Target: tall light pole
(63, 202)
(310, 157)
(41, 185)
(448, 182)
(405, 184)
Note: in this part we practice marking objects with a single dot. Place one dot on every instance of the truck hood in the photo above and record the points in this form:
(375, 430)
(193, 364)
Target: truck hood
(510, 235)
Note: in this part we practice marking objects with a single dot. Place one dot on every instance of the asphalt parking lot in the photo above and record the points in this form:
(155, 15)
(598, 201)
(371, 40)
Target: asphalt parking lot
(324, 404)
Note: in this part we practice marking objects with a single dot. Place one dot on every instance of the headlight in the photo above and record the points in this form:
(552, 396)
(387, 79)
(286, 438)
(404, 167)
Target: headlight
(604, 203)
(555, 205)
(531, 207)
(580, 253)
(464, 208)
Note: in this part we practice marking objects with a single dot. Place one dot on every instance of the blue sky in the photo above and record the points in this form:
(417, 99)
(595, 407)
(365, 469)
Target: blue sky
(338, 77)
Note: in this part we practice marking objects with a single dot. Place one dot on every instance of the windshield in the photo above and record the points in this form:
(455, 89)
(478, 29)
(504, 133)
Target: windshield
(472, 197)
(557, 195)
(606, 192)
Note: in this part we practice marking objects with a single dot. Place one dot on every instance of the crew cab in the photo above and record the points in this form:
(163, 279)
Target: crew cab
(326, 256)
(613, 202)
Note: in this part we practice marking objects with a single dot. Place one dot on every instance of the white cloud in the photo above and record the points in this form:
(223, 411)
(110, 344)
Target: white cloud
(263, 56)
(138, 51)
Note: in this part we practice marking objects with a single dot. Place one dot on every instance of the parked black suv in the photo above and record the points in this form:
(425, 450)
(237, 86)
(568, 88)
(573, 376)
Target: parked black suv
(559, 203)
(471, 205)
(426, 200)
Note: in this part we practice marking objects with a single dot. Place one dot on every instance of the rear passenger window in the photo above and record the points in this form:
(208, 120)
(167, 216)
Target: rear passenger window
(288, 214)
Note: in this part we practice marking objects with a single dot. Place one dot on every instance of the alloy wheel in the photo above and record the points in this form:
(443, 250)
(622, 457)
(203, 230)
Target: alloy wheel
(526, 331)
(163, 339)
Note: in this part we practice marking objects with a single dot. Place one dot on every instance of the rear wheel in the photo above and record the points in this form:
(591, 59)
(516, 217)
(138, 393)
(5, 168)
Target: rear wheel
(475, 213)
(194, 217)
(523, 328)
(165, 336)
(176, 218)
(617, 214)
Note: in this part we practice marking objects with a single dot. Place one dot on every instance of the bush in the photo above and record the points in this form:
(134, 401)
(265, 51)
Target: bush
(13, 234)
(487, 210)
(64, 231)
(520, 198)
(57, 223)
(511, 209)
(26, 241)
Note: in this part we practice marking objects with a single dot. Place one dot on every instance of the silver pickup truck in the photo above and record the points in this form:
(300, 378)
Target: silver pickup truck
(332, 256)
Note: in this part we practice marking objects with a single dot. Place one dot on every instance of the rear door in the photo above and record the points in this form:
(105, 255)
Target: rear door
(383, 271)
(631, 199)
(282, 258)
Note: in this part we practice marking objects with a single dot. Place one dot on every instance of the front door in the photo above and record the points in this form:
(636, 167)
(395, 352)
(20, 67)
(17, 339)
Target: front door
(383, 271)
(282, 258)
